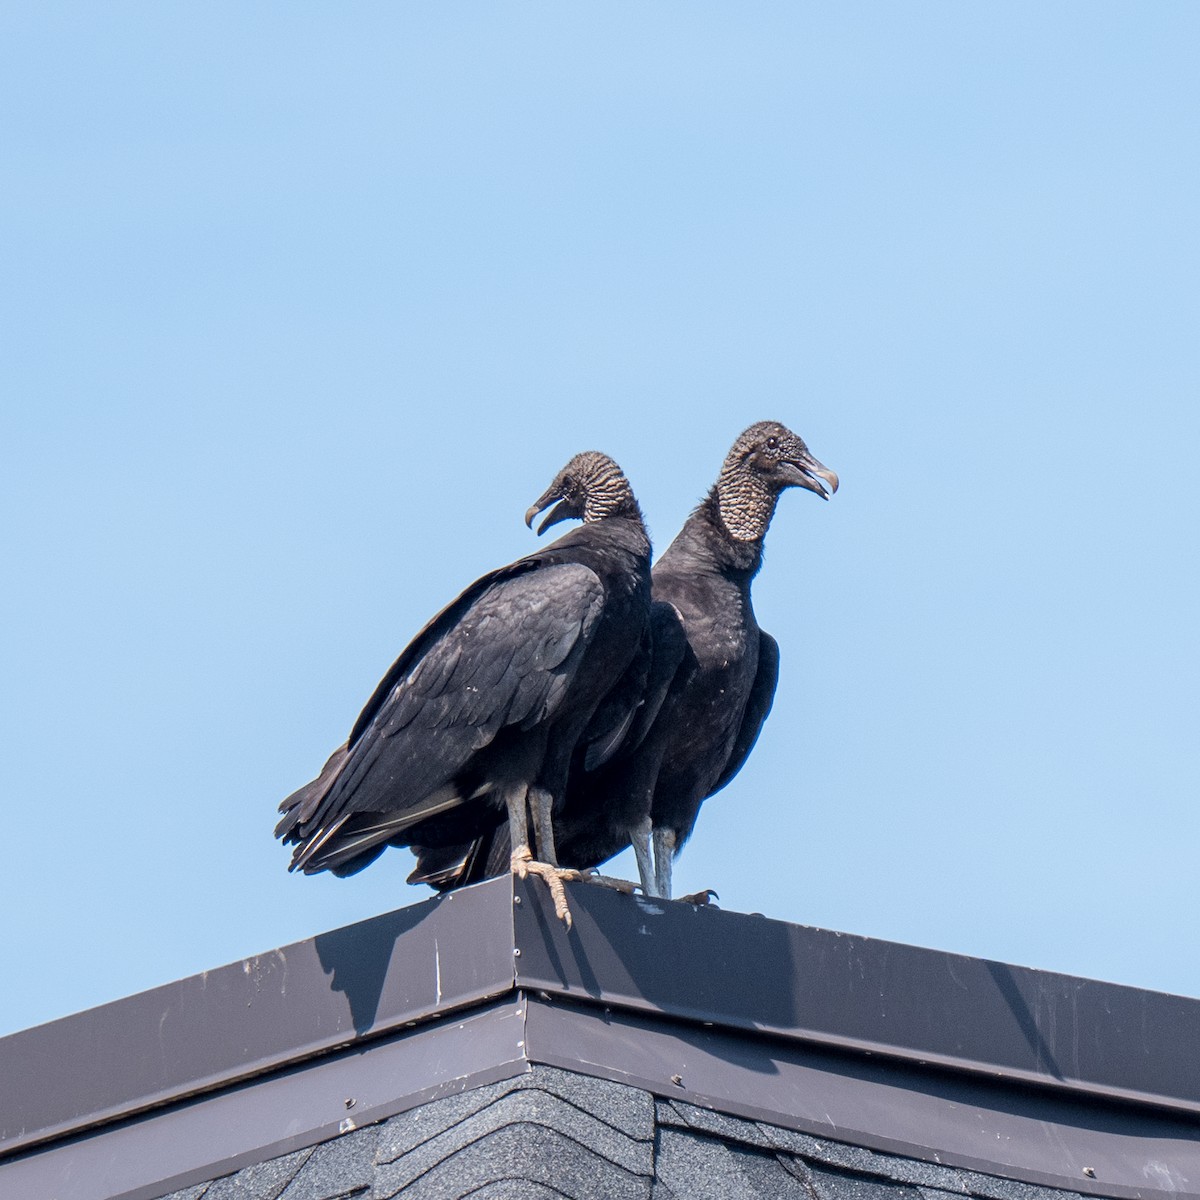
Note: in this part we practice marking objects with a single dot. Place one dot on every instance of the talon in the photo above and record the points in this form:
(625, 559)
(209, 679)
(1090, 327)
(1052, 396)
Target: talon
(523, 864)
(706, 897)
(624, 886)
(522, 856)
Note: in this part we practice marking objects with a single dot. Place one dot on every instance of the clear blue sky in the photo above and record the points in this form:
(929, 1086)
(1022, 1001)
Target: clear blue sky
(304, 304)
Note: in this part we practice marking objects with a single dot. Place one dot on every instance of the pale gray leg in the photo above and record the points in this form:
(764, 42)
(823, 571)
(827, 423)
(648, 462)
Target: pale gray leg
(523, 863)
(518, 828)
(664, 855)
(639, 837)
(541, 803)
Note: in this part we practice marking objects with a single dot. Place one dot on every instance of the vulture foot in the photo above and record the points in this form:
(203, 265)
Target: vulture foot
(705, 897)
(524, 865)
(625, 886)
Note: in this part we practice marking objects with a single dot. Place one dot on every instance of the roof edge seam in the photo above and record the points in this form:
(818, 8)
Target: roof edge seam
(864, 1048)
(198, 1090)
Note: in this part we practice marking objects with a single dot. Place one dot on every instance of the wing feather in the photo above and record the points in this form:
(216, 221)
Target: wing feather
(503, 654)
(758, 707)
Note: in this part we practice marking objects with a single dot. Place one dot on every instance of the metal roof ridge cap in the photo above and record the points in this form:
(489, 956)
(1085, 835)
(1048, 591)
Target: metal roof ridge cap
(216, 1082)
(160, 1094)
(242, 962)
(865, 1048)
(466, 1052)
(596, 963)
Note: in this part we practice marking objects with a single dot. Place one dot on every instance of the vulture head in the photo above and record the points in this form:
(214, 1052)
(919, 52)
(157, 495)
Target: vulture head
(589, 488)
(766, 459)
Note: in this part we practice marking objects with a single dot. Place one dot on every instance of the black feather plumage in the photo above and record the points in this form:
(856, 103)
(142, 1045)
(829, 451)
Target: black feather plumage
(708, 688)
(492, 694)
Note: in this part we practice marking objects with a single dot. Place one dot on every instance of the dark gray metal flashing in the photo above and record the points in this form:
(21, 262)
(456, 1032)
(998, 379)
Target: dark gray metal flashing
(868, 996)
(1036, 1077)
(953, 1117)
(274, 1114)
(252, 1016)
(246, 1123)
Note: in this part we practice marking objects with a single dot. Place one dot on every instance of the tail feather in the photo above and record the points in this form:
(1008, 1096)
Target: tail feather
(302, 804)
(351, 841)
(457, 866)
(441, 868)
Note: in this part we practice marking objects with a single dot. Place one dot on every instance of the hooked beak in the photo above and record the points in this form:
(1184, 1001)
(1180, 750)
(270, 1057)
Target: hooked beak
(806, 472)
(563, 511)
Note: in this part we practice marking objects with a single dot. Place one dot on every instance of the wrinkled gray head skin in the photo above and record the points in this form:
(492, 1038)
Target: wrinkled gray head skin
(767, 458)
(589, 488)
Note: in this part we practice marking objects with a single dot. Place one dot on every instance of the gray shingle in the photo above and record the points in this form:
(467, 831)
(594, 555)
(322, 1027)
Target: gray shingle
(344, 1166)
(868, 1162)
(698, 1167)
(627, 1110)
(404, 1133)
(913, 1171)
(830, 1183)
(188, 1193)
(731, 1129)
(995, 1188)
(262, 1181)
(514, 1189)
(527, 1106)
(800, 1169)
(841, 1171)
(528, 1153)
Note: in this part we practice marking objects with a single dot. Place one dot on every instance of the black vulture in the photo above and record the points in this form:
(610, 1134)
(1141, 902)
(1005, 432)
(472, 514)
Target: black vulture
(621, 724)
(728, 676)
(482, 711)
(712, 678)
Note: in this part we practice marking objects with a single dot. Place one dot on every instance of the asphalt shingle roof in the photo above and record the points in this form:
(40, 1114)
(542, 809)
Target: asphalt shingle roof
(553, 1133)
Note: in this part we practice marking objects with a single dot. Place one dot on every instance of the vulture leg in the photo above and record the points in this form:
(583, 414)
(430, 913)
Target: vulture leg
(518, 825)
(523, 863)
(664, 854)
(541, 804)
(639, 836)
